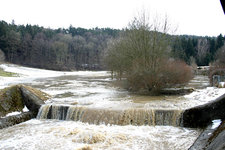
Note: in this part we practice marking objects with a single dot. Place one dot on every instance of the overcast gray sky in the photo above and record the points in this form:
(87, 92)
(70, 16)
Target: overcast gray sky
(192, 17)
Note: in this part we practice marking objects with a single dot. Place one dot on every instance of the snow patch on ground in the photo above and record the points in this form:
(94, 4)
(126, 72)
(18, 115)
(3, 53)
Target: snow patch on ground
(40, 73)
(27, 75)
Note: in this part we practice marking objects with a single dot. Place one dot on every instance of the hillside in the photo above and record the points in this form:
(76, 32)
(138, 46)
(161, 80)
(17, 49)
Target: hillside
(84, 49)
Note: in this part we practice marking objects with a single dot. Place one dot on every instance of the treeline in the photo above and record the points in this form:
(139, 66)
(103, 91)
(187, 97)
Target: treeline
(61, 49)
(196, 49)
(83, 49)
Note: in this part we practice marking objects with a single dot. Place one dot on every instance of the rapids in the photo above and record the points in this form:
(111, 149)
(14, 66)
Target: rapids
(88, 111)
(71, 135)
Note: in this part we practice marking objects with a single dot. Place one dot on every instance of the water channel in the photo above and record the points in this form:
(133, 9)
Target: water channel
(99, 115)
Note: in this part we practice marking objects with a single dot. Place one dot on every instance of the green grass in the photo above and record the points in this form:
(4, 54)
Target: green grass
(7, 74)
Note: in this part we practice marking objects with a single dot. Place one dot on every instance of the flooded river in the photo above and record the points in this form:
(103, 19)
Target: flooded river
(96, 90)
(70, 135)
(92, 99)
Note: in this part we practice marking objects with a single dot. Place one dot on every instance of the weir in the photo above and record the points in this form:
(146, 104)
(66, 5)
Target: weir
(131, 116)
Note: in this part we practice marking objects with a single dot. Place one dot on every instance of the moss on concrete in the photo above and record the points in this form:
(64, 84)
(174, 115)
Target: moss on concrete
(10, 100)
(14, 98)
(42, 95)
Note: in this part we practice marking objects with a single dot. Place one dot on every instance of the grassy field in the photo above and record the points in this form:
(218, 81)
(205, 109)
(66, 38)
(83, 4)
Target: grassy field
(7, 74)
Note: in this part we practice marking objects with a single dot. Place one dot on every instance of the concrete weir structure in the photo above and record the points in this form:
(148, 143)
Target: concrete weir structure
(201, 116)
(212, 138)
(195, 117)
(27, 97)
(32, 101)
(130, 116)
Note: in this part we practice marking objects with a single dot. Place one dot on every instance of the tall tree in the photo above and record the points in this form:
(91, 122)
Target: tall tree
(141, 56)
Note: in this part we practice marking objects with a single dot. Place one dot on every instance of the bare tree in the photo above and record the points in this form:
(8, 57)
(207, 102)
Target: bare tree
(2, 56)
(141, 55)
(202, 50)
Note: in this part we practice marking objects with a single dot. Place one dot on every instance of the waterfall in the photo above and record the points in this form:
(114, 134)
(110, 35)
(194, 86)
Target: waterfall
(132, 116)
(53, 112)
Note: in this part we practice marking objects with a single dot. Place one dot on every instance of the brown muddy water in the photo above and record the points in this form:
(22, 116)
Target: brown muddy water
(99, 91)
(88, 112)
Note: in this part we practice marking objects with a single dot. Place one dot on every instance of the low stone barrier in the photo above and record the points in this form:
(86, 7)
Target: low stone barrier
(25, 96)
(16, 119)
(32, 101)
(201, 116)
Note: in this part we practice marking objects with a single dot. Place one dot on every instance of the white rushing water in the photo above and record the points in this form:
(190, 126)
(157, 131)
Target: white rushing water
(58, 135)
(94, 89)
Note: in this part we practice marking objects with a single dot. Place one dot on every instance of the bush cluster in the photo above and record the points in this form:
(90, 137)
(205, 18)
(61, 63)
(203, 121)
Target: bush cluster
(142, 57)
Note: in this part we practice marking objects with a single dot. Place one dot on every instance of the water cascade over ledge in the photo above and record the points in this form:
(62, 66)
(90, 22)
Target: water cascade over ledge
(98, 116)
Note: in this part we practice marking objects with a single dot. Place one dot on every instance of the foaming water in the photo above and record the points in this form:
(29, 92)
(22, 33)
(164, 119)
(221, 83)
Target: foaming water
(70, 135)
(101, 116)
(137, 116)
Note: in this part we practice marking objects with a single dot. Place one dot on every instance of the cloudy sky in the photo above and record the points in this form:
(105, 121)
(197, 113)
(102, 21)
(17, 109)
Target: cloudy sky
(192, 17)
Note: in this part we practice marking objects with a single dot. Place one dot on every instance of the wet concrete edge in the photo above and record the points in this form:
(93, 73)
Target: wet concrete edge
(201, 116)
(31, 101)
(15, 119)
(210, 139)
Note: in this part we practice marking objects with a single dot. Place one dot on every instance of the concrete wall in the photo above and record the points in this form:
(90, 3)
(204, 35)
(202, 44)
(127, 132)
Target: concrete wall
(29, 97)
(201, 116)
(211, 139)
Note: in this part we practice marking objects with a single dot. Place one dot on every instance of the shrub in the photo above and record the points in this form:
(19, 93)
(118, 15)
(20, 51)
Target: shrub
(169, 74)
(141, 56)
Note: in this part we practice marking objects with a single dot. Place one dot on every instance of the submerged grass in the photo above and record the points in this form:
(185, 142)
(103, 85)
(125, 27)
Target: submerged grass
(7, 74)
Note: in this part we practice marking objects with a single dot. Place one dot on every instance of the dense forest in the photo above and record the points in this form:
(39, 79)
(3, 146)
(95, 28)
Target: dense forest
(61, 49)
(83, 49)
(202, 50)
